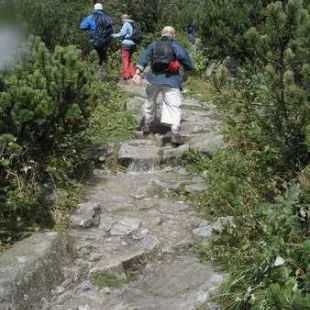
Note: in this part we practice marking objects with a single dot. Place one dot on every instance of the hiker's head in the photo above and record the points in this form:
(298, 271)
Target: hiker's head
(168, 31)
(124, 17)
(98, 6)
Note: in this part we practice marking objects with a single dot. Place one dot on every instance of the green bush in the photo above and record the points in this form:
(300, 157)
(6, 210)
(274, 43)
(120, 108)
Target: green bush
(111, 120)
(262, 177)
(266, 253)
(52, 106)
(56, 22)
(223, 23)
(45, 105)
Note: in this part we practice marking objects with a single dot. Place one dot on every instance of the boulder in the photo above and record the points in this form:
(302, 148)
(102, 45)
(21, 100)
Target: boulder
(204, 230)
(221, 222)
(125, 227)
(171, 153)
(30, 270)
(195, 188)
(87, 215)
(207, 144)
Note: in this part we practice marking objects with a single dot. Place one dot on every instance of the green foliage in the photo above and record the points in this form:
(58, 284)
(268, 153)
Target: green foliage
(56, 22)
(224, 22)
(112, 121)
(45, 103)
(232, 182)
(52, 106)
(266, 253)
(200, 61)
(286, 63)
(101, 281)
(195, 162)
(267, 110)
(262, 178)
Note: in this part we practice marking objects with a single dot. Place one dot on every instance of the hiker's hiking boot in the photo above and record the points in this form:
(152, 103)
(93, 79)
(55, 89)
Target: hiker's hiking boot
(146, 129)
(174, 138)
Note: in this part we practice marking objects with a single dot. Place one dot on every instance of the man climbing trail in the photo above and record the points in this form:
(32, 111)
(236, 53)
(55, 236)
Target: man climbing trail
(166, 57)
(191, 29)
(100, 26)
(130, 35)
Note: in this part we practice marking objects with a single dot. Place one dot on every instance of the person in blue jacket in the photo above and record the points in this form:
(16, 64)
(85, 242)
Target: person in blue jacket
(128, 46)
(100, 27)
(166, 78)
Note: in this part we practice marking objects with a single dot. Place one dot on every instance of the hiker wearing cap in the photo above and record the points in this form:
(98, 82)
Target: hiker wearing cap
(100, 27)
(191, 29)
(166, 57)
(129, 34)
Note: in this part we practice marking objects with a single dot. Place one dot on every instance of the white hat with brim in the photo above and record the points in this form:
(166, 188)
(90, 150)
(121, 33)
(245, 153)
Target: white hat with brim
(98, 6)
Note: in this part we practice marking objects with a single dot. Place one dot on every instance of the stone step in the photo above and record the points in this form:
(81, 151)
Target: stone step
(182, 283)
(145, 152)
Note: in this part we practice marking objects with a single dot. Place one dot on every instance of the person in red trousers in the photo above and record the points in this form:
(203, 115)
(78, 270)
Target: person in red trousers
(128, 46)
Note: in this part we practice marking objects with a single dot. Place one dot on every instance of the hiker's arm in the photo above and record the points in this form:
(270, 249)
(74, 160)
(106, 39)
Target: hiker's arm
(145, 58)
(123, 32)
(85, 24)
(183, 56)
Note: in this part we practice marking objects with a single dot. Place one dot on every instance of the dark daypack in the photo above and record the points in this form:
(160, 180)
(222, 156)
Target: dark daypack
(136, 32)
(163, 55)
(104, 30)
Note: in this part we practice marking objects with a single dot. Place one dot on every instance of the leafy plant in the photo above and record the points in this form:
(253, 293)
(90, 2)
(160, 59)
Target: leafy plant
(262, 178)
(52, 106)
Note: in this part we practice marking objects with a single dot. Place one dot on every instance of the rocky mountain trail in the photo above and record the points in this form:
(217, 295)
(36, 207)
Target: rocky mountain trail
(130, 242)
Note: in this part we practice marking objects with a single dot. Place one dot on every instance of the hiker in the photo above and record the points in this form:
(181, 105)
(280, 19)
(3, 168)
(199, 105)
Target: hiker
(100, 26)
(191, 31)
(166, 57)
(128, 45)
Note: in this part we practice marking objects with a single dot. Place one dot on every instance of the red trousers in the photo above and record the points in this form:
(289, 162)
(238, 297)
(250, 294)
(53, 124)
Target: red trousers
(128, 67)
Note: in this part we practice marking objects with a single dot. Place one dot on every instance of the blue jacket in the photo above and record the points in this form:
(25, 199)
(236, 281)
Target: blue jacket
(173, 80)
(89, 23)
(125, 33)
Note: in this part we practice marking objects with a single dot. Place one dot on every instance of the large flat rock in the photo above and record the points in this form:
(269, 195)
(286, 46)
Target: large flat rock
(125, 226)
(30, 270)
(180, 284)
(195, 122)
(139, 151)
(207, 144)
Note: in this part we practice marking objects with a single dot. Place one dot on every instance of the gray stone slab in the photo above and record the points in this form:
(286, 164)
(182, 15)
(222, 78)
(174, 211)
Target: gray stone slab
(207, 144)
(30, 270)
(195, 188)
(86, 215)
(174, 153)
(222, 222)
(139, 150)
(182, 284)
(125, 226)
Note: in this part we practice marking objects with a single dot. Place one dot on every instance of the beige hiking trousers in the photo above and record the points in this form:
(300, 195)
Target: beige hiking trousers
(171, 112)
